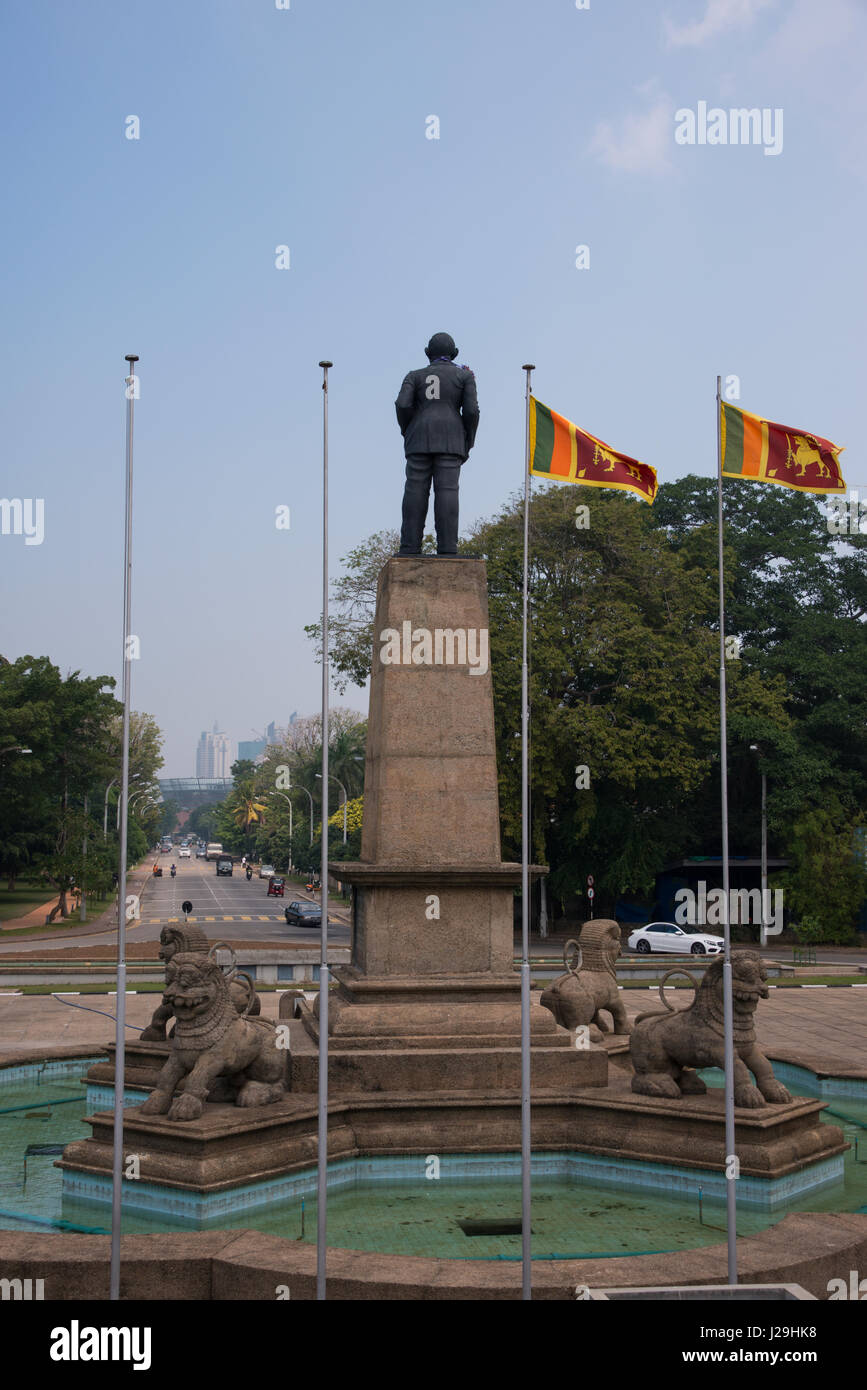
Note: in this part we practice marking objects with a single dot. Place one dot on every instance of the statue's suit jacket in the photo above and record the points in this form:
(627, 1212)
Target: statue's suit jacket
(447, 423)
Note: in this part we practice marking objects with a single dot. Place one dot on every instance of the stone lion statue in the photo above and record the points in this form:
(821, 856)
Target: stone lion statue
(189, 937)
(577, 997)
(665, 1046)
(213, 1043)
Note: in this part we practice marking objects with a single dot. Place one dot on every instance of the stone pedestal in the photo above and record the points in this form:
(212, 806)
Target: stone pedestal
(431, 998)
(424, 1041)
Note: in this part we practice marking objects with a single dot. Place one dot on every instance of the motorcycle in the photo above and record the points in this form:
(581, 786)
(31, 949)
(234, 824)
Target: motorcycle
(173, 871)
(249, 873)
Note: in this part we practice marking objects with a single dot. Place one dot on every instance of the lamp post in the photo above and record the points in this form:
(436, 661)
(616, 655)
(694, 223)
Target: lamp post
(309, 795)
(140, 792)
(763, 938)
(345, 799)
(14, 748)
(289, 804)
(105, 812)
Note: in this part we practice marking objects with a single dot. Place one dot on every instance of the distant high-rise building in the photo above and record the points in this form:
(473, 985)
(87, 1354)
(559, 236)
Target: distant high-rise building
(251, 749)
(213, 755)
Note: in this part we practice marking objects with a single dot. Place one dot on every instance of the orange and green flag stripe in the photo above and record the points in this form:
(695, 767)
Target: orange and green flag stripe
(560, 452)
(751, 447)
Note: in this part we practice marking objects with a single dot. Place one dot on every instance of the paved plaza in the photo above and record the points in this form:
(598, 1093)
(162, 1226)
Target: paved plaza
(825, 1029)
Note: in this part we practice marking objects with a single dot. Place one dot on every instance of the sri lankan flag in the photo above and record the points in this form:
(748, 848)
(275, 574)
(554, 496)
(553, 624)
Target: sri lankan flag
(560, 451)
(751, 447)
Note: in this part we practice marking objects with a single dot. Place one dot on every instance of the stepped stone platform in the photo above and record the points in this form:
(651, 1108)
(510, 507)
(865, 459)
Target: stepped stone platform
(424, 1025)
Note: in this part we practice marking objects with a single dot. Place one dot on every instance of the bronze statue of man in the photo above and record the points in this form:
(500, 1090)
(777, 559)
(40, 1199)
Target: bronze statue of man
(438, 414)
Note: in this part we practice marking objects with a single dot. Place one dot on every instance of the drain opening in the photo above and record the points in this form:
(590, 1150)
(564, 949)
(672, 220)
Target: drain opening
(495, 1227)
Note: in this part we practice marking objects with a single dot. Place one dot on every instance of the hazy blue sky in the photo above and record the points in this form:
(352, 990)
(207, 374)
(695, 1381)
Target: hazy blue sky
(261, 127)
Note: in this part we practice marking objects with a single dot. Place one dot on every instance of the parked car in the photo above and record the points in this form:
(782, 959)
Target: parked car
(665, 936)
(266, 870)
(276, 886)
(224, 865)
(303, 915)
(183, 854)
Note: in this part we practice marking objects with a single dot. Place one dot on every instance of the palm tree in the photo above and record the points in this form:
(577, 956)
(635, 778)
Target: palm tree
(246, 810)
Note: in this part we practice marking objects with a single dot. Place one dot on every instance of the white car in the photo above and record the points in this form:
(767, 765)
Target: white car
(184, 854)
(266, 871)
(665, 936)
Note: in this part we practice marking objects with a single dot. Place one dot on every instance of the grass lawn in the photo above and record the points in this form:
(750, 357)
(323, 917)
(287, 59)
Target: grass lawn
(57, 925)
(22, 900)
(780, 983)
(146, 987)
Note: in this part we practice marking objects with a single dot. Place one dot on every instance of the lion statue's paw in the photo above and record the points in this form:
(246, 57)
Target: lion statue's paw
(656, 1085)
(186, 1107)
(691, 1084)
(775, 1092)
(259, 1093)
(157, 1103)
(748, 1097)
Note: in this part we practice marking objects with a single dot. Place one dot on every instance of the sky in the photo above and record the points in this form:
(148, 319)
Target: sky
(431, 166)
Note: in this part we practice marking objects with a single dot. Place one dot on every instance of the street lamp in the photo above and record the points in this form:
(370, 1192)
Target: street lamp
(309, 795)
(142, 791)
(763, 938)
(289, 804)
(105, 813)
(345, 799)
(14, 748)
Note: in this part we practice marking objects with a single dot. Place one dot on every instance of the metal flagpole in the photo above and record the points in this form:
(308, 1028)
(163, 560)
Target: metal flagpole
(119, 1058)
(322, 1145)
(728, 1022)
(526, 1147)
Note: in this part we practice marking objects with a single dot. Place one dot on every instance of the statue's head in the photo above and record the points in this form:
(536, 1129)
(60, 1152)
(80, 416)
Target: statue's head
(600, 944)
(188, 937)
(441, 345)
(195, 985)
(748, 981)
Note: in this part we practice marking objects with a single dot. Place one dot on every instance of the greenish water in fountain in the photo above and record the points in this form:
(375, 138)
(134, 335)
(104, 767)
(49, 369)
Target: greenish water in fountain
(418, 1218)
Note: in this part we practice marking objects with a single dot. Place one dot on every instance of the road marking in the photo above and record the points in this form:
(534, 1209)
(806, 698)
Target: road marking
(210, 919)
(269, 919)
(10, 993)
(245, 919)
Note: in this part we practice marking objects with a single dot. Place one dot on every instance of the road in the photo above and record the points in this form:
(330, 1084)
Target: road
(226, 906)
(223, 907)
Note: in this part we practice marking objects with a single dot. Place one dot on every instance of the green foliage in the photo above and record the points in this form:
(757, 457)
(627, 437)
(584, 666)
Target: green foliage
(624, 680)
(52, 801)
(350, 625)
(828, 881)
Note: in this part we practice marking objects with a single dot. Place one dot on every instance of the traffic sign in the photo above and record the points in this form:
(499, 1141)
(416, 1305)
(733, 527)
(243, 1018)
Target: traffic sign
(591, 893)
(590, 880)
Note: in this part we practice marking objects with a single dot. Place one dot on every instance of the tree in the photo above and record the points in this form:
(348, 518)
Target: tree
(351, 625)
(827, 884)
(52, 800)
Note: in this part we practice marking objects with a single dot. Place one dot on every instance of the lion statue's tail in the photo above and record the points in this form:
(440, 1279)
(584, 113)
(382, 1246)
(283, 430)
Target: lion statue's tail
(669, 1008)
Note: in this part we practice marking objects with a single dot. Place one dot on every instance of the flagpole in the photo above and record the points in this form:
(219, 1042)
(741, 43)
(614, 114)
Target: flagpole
(322, 1141)
(728, 1022)
(526, 1148)
(123, 807)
